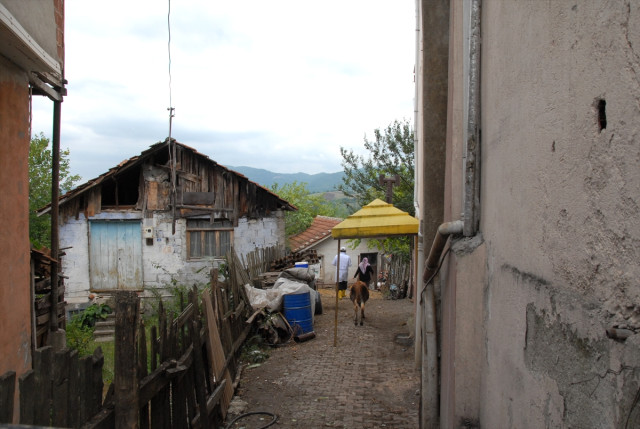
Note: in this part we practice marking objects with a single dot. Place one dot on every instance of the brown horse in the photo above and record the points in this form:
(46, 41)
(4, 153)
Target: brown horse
(359, 296)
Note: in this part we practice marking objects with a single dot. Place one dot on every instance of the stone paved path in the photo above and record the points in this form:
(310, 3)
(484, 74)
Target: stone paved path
(367, 381)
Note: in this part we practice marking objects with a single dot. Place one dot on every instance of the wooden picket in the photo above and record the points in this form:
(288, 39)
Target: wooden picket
(181, 376)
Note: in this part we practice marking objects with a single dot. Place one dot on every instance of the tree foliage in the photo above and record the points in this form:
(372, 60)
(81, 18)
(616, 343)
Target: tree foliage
(309, 206)
(40, 162)
(390, 153)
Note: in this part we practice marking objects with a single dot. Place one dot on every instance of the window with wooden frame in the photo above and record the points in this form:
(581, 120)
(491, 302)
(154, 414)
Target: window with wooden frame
(208, 240)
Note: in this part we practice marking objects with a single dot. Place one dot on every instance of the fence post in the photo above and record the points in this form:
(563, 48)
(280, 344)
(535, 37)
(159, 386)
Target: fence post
(7, 392)
(125, 380)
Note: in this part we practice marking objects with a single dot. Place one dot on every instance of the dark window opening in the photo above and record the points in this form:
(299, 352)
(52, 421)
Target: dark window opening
(121, 189)
(602, 115)
(206, 239)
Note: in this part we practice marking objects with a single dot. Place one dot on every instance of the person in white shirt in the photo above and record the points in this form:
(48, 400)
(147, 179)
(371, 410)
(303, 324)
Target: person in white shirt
(343, 271)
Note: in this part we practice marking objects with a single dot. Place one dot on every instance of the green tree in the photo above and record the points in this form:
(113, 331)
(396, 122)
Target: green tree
(308, 205)
(40, 161)
(390, 153)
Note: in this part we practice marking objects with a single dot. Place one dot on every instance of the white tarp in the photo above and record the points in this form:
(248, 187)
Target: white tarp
(291, 281)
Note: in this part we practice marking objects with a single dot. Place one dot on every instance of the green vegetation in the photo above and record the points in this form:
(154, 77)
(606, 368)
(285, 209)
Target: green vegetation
(309, 206)
(390, 153)
(79, 336)
(40, 161)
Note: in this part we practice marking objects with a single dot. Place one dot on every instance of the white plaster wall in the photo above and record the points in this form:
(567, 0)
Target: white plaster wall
(164, 259)
(74, 239)
(251, 234)
(328, 249)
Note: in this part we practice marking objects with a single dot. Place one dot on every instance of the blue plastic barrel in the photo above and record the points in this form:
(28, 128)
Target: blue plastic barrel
(297, 311)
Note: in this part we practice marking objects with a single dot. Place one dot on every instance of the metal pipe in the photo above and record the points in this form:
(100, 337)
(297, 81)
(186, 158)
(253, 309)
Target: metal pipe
(335, 322)
(472, 162)
(416, 199)
(55, 195)
(429, 389)
(443, 233)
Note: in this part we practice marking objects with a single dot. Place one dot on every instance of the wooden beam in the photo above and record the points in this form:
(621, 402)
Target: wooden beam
(125, 379)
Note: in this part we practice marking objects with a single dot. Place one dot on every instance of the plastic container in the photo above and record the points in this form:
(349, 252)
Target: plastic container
(297, 311)
(302, 264)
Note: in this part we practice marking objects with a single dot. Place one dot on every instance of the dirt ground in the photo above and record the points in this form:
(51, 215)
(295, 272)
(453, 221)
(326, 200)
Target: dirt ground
(368, 381)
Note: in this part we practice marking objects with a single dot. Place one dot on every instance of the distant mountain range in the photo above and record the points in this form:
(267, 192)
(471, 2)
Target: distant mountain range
(320, 182)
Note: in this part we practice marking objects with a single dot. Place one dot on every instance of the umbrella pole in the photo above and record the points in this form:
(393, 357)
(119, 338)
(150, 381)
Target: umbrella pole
(335, 323)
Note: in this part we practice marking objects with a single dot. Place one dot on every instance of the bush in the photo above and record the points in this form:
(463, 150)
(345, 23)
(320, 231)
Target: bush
(79, 336)
(94, 313)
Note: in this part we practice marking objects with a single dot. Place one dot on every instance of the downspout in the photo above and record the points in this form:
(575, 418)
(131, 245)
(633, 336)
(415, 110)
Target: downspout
(55, 195)
(472, 163)
(429, 403)
(416, 200)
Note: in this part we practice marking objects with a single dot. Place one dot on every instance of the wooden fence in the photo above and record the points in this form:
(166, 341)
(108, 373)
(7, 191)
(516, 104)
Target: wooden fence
(181, 378)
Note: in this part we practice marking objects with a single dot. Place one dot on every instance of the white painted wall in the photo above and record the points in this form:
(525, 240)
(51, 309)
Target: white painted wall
(328, 249)
(164, 261)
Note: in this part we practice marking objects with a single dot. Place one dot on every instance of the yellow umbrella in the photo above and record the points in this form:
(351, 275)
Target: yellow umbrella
(376, 219)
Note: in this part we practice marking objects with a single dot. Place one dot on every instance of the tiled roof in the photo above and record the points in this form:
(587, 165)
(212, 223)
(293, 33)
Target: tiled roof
(319, 230)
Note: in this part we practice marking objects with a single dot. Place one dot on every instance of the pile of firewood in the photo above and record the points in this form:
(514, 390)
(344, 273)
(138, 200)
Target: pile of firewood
(289, 261)
(41, 281)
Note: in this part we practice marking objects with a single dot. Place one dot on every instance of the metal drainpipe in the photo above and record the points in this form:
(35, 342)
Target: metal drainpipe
(55, 191)
(429, 388)
(416, 200)
(472, 163)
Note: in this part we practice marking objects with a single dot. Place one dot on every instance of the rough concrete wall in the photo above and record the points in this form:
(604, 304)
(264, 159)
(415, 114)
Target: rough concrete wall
(432, 120)
(462, 333)
(164, 262)
(15, 299)
(560, 212)
(252, 234)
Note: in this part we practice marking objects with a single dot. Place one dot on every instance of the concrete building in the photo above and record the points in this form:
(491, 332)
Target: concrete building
(162, 218)
(530, 111)
(318, 237)
(31, 63)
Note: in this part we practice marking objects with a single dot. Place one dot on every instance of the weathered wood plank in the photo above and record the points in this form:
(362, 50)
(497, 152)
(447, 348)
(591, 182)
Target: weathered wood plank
(142, 372)
(42, 361)
(27, 384)
(125, 379)
(73, 398)
(197, 198)
(199, 369)
(212, 401)
(60, 394)
(85, 382)
(7, 392)
(97, 361)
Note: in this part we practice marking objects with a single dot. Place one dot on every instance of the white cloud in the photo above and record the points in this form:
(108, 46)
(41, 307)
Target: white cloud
(279, 85)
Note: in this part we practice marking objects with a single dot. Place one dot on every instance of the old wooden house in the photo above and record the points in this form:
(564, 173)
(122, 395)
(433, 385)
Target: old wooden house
(162, 218)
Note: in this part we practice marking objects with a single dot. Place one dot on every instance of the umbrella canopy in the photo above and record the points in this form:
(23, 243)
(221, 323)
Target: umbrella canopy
(376, 219)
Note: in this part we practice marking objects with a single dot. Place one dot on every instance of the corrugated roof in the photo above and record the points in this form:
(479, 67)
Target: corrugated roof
(319, 230)
(376, 219)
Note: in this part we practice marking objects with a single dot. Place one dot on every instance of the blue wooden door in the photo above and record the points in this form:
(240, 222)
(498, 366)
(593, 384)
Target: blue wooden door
(115, 255)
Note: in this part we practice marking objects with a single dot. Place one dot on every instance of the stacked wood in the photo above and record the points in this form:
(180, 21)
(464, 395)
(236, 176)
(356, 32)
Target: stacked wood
(41, 285)
(310, 256)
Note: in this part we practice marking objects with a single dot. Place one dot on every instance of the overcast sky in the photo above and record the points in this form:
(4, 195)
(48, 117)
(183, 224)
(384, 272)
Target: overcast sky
(279, 85)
